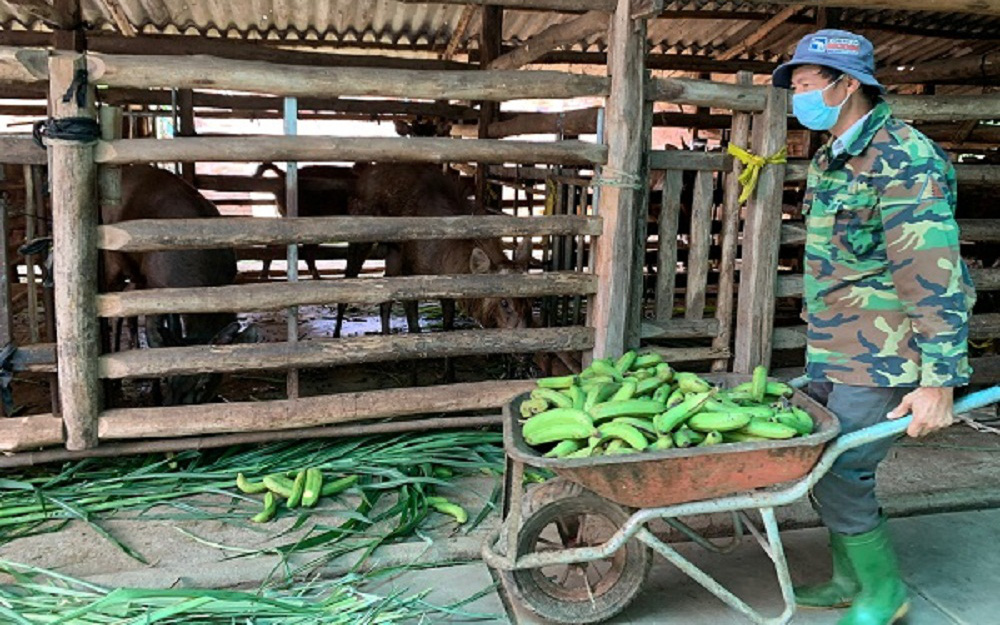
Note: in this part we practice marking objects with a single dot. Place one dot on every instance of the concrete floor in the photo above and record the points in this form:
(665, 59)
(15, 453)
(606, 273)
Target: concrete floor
(949, 559)
(949, 562)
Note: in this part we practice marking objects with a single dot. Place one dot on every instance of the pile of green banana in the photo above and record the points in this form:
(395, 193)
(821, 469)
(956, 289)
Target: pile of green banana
(639, 403)
(301, 488)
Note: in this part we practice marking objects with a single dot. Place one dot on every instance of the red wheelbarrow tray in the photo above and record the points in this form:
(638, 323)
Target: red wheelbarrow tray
(652, 479)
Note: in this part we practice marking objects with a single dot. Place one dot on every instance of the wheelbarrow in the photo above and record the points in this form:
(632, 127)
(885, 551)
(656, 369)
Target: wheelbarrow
(577, 549)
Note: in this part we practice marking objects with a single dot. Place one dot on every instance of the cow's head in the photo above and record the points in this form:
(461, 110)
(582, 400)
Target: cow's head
(501, 312)
(200, 387)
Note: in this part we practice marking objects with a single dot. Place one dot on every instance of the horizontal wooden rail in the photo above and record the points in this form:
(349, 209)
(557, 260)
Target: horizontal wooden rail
(23, 65)
(966, 173)
(313, 148)
(140, 363)
(981, 327)
(978, 230)
(259, 297)
(679, 328)
(215, 73)
(687, 354)
(35, 358)
(689, 160)
(987, 279)
(150, 235)
(705, 93)
(25, 433)
(21, 150)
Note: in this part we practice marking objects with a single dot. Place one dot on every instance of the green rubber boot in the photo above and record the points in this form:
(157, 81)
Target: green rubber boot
(840, 591)
(882, 600)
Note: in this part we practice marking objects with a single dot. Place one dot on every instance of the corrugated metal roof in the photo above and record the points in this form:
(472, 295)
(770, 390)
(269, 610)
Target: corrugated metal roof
(691, 27)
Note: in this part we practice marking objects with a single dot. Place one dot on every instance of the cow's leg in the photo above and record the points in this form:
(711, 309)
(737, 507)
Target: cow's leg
(412, 315)
(357, 254)
(385, 311)
(309, 254)
(448, 314)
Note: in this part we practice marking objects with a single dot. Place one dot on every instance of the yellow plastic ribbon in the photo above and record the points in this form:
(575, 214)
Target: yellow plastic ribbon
(754, 164)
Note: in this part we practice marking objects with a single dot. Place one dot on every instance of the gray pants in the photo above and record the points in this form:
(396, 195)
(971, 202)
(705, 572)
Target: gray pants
(845, 497)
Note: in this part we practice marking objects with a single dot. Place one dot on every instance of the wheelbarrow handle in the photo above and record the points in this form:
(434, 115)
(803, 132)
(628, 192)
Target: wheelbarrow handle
(895, 427)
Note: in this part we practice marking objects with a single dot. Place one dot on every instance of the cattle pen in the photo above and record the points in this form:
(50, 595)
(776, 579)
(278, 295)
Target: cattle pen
(689, 270)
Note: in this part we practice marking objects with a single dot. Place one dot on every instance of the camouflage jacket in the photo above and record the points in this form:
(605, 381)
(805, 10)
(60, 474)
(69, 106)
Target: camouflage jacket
(887, 296)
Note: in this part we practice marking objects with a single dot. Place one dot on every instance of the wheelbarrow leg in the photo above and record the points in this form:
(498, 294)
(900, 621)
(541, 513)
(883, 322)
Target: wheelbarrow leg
(772, 547)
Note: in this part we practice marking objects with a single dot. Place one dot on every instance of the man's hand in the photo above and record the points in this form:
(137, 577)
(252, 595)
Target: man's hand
(932, 408)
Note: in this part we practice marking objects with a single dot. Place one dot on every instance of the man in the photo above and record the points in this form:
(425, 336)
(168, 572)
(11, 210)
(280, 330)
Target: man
(887, 301)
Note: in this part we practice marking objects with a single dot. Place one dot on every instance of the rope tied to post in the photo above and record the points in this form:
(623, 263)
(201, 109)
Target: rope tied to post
(611, 177)
(80, 129)
(754, 164)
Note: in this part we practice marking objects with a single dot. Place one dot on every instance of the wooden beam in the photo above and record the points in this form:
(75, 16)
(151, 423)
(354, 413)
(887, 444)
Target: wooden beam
(981, 328)
(584, 121)
(21, 66)
(680, 329)
(567, 6)
(946, 107)
(729, 238)
(74, 222)
(255, 50)
(699, 246)
(706, 93)
(490, 44)
(633, 329)
(555, 36)
(973, 66)
(150, 235)
(458, 34)
(976, 7)
(688, 354)
(666, 260)
(689, 160)
(314, 148)
(16, 149)
(987, 279)
(755, 316)
(967, 173)
(259, 297)
(280, 418)
(118, 17)
(646, 9)
(325, 353)
(977, 230)
(760, 33)
(135, 423)
(207, 72)
(608, 312)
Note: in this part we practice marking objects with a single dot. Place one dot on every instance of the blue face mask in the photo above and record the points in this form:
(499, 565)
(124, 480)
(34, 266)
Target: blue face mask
(812, 112)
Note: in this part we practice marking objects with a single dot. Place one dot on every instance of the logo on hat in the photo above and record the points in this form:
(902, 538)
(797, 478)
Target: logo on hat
(818, 44)
(844, 45)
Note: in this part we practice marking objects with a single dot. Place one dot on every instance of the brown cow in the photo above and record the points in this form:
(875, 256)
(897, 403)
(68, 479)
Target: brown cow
(151, 193)
(398, 190)
(324, 191)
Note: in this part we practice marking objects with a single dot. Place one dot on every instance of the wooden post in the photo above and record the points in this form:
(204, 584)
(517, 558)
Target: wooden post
(185, 128)
(761, 237)
(74, 223)
(666, 264)
(30, 220)
(490, 43)
(6, 319)
(608, 314)
(699, 246)
(633, 330)
(739, 136)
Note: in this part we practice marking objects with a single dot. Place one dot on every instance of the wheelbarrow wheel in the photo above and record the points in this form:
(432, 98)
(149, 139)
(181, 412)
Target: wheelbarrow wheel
(559, 515)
